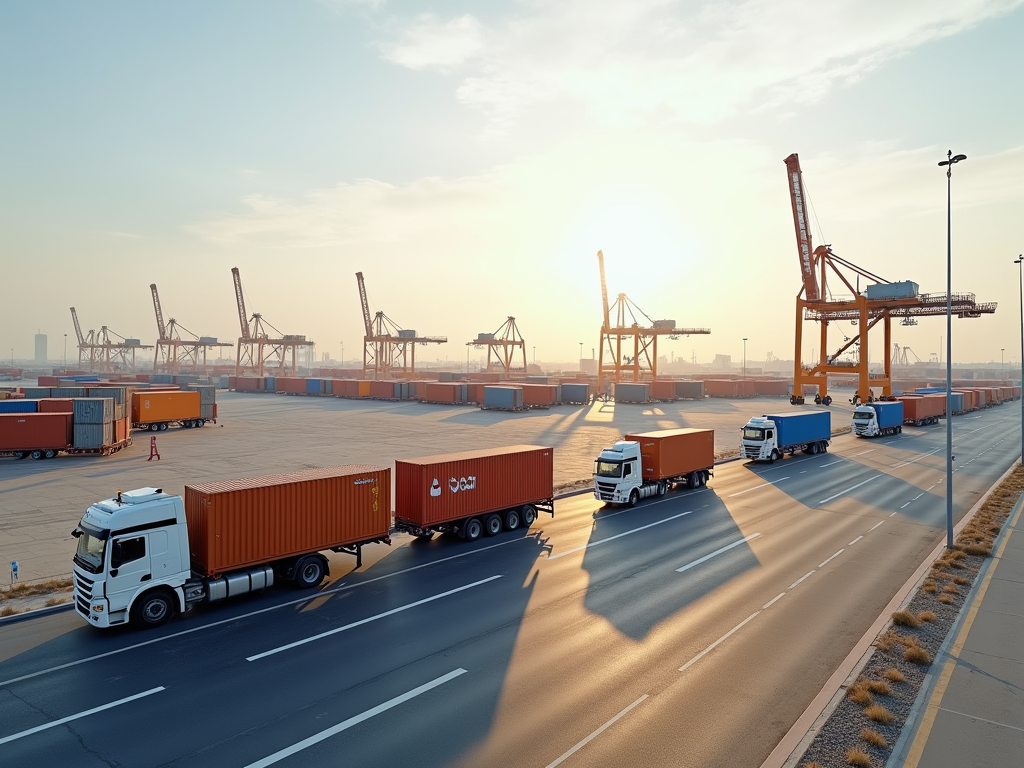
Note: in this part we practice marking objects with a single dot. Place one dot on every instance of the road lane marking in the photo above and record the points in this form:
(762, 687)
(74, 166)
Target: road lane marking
(917, 497)
(565, 756)
(922, 456)
(875, 525)
(863, 452)
(851, 488)
(894, 513)
(717, 552)
(805, 576)
(773, 601)
(762, 485)
(830, 464)
(618, 535)
(596, 514)
(855, 541)
(837, 554)
(369, 619)
(361, 717)
(719, 641)
(86, 713)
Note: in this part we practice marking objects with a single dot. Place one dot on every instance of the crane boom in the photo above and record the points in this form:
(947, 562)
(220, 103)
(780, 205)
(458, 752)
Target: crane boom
(159, 312)
(365, 304)
(803, 231)
(78, 328)
(243, 318)
(604, 291)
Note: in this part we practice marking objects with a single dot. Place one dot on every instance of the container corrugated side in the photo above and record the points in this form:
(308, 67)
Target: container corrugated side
(690, 389)
(27, 431)
(19, 406)
(437, 489)
(662, 389)
(673, 452)
(239, 523)
(93, 410)
(631, 393)
(93, 436)
(56, 405)
(148, 407)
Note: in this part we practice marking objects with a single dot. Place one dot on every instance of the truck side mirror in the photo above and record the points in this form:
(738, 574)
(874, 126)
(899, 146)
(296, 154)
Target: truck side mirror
(115, 555)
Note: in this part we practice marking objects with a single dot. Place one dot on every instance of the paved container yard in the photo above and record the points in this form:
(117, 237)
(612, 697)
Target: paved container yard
(257, 434)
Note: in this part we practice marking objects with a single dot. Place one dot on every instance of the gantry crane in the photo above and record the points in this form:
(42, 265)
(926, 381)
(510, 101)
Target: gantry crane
(502, 344)
(816, 302)
(388, 349)
(258, 349)
(173, 353)
(103, 354)
(639, 352)
(901, 355)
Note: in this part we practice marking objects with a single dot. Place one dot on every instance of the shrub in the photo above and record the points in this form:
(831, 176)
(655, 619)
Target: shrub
(874, 738)
(951, 589)
(879, 714)
(961, 580)
(7, 610)
(905, 619)
(979, 550)
(879, 687)
(930, 586)
(886, 641)
(893, 675)
(947, 599)
(915, 654)
(859, 694)
(926, 616)
(858, 758)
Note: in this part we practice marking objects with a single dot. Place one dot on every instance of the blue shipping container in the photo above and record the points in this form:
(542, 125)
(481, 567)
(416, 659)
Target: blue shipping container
(958, 402)
(314, 386)
(503, 397)
(18, 406)
(632, 393)
(572, 393)
(888, 414)
(269, 384)
(806, 427)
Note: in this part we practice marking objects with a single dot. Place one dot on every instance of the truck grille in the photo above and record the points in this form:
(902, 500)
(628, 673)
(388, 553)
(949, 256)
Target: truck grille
(751, 451)
(606, 490)
(83, 593)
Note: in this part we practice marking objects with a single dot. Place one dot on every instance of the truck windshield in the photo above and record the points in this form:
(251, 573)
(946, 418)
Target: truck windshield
(863, 415)
(753, 433)
(609, 469)
(92, 544)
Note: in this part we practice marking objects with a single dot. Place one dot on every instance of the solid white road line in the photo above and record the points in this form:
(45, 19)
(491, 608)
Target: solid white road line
(855, 541)
(762, 485)
(837, 554)
(805, 576)
(875, 525)
(368, 619)
(922, 456)
(717, 552)
(851, 488)
(773, 601)
(830, 464)
(69, 718)
(561, 759)
(906, 505)
(718, 642)
(363, 716)
(618, 535)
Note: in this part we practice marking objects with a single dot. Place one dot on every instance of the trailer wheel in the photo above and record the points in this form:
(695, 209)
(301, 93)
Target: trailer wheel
(512, 519)
(154, 427)
(899, 430)
(163, 427)
(200, 422)
(36, 454)
(492, 525)
(815, 449)
(824, 446)
(472, 529)
(425, 536)
(827, 400)
(528, 514)
(152, 609)
(50, 453)
(309, 572)
(187, 424)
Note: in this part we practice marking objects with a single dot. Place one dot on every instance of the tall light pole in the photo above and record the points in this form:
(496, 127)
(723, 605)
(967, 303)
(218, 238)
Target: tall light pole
(949, 162)
(342, 353)
(65, 353)
(1002, 366)
(581, 355)
(1019, 261)
(744, 357)
(534, 355)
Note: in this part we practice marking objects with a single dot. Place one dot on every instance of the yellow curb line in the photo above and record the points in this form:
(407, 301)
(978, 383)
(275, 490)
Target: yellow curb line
(932, 709)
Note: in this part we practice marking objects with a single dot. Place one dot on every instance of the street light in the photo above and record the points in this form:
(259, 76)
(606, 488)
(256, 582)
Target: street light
(65, 353)
(949, 162)
(534, 355)
(744, 357)
(1019, 261)
(1002, 367)
(581, 355)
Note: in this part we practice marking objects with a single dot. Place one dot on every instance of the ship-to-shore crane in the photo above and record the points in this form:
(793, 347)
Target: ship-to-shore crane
(103, 354)
(258, 350)
(175, 354)
(388, 349)
(502, 346)
(880, 303)
(630, 347)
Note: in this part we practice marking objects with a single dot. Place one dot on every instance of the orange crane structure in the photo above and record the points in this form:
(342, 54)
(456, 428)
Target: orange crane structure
(388, 349)
(258, 350)
(103, 354)
(630, 347)
(175, 354)
(878, 304)
(502, 346)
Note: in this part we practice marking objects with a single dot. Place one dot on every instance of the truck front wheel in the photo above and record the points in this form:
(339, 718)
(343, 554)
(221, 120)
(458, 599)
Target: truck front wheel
(634, 497)
(774, 456)
(309, 572)
(153, 609)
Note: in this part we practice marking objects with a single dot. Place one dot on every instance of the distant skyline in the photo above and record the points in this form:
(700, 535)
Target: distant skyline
(471, 159)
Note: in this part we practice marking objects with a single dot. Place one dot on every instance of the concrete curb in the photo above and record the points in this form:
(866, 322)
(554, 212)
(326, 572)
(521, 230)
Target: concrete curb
(793, 745)
(38, 613)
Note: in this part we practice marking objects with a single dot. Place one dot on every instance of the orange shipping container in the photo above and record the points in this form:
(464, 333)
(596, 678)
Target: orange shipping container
(721, 388)
(747, 387)
(438, 489)
(122, 428)
(290, 384)
(662, 390)
(364, 388)
(674, 452)
(539, 394)
(920, 408)
(440, 392)
(382, 390)
(149, 407)
(239, 523)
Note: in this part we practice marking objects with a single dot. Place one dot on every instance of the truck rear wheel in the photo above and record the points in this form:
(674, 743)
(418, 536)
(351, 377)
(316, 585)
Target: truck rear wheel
(528, 514)
(37, 454)
(512, 519)
(154, 427)
(472, 529)
(153, 609)
(309, 572)
(163, 427)
(492, 525)
(815, 449)
(200, 422)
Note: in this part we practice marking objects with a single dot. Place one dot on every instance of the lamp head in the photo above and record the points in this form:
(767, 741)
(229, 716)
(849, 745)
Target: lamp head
(952, 159)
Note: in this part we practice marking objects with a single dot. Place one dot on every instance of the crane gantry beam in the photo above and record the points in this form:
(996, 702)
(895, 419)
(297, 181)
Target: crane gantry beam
(174, 353)
(815, 302)
(258, 349)
(502, 345)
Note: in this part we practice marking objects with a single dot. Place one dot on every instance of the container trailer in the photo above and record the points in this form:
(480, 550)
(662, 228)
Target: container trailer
(145, 555)
(650, 463)
(155, 411)
(922, 411)
(878, 419)
(769, 437)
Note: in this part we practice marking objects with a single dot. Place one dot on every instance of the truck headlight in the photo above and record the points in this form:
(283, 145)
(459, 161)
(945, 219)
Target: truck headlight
(97, 608)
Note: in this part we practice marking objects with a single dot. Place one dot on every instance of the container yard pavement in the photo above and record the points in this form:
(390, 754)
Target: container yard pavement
(257, 434)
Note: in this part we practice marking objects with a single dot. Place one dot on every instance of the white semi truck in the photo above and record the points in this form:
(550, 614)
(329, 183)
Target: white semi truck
(649, 463)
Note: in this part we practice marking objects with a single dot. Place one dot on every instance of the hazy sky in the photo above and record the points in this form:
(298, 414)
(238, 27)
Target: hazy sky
(471, 158)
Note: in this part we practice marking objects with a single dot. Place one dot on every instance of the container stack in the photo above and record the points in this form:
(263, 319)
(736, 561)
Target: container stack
(94, 423)
(207, 400)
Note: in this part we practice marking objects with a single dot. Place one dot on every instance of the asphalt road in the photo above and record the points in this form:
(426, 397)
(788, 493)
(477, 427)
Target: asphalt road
(691, 630)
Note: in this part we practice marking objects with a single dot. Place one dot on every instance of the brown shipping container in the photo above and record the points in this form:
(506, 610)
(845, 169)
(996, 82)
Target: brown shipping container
(747, 387)
(122, 428)
(56, 405)
(149, 406)
(941, 400)
(721, 388)
(440, 392)
(27, 431)
(673, 452)
(540, 394)
(663, 390)
(290, 384)
(438, 489)
(382, 390)
(475, 393)
(238, 523)
(917, 408)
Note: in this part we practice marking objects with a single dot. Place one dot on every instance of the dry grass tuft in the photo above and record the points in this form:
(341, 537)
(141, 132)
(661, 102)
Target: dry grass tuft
(978, 550)
(859, 693)
(887, 641)
(7, 610)
(858, 758)
(905, 619)
(961, 580)
(39, 587)
(56, 600)
(930, 587)
(915, 654)
(879, 714)
(811, 765)
(879, 687)
(947, 599)
(893, 675)
(950, 589)
(926, 616)
(874, 738)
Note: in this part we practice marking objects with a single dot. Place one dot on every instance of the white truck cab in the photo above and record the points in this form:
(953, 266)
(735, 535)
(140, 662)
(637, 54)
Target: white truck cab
(132, 558)
(617, 473)
(760, 440)
(865, 421)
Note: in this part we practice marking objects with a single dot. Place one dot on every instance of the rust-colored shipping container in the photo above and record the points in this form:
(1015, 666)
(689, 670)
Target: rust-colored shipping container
(721, 388)
(122, 428)
(149, 406)
(441, 392)
(56, 405)
(292, 385)
(346, 388)
(771, 387)
(248, 383)
(382, 390)
(453, 486)
(746, 387)
(475, 393)
(940, 399)
(917, 409)
(662, 389)
(970, 398)
(488, 377)
(539, 394)
(669, 453)
(28, 431)
(239, 523)
(49, 381)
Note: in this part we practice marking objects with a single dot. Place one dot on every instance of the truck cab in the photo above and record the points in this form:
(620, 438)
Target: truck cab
(617, 473)
(865, 421)
(132, 559)
(760, 440)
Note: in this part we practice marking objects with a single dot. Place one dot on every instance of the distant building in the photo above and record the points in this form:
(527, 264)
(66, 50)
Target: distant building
(588, 365)
(40, 348)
